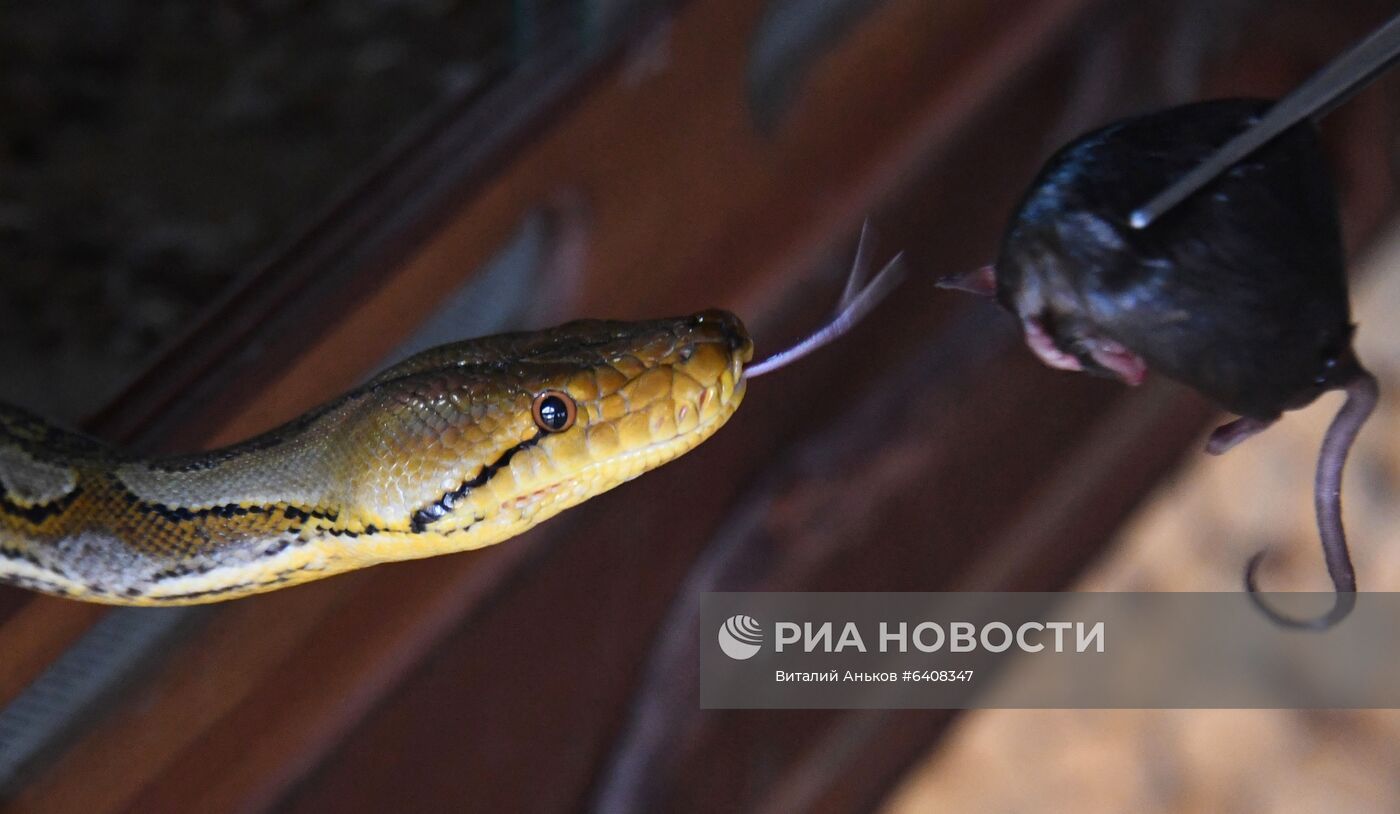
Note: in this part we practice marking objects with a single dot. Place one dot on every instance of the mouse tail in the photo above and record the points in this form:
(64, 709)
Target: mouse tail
(1362, 395)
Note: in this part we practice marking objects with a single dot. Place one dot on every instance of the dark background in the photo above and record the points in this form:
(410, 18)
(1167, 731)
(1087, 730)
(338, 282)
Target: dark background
(149, 152)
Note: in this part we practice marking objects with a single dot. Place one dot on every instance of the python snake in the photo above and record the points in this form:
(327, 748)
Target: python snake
(455, 448)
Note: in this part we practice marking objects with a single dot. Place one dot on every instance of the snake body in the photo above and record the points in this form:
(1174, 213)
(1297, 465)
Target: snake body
(456, 448)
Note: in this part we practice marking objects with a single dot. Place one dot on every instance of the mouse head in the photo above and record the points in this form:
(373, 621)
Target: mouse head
(1238, 292)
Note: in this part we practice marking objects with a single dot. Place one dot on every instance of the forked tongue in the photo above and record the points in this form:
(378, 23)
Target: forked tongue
(858, 299)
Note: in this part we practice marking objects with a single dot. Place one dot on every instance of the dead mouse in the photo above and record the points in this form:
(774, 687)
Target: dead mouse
(1239, 291)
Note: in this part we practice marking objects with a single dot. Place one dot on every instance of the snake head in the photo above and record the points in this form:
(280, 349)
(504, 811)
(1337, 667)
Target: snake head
(650, 390)
(509, 430)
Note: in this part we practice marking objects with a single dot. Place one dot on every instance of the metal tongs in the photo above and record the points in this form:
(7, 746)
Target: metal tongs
(1315, 98)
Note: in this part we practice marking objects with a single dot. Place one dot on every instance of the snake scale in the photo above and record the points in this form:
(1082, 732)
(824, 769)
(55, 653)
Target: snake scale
(455, 448)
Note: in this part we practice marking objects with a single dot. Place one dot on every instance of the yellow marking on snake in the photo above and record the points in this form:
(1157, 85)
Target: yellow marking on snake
(441, 453)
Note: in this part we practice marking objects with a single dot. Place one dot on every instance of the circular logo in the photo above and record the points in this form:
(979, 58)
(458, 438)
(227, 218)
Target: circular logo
(740, 637)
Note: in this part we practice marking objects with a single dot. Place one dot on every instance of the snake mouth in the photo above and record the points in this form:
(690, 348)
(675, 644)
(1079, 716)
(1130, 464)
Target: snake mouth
(643, 458)
(740, 345)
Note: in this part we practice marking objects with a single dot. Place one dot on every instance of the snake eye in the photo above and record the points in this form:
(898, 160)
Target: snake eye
(554, 411)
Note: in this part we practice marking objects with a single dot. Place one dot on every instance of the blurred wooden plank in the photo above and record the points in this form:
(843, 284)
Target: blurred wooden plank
(34, 634)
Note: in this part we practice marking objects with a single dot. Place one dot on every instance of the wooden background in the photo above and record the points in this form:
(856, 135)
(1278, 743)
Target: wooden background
(713, 154)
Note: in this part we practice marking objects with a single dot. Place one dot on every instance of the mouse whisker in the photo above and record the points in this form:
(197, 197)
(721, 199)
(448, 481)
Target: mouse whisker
(1362, 395)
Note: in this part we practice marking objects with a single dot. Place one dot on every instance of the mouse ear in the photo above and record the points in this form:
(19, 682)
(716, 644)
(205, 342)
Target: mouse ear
(982, 281)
